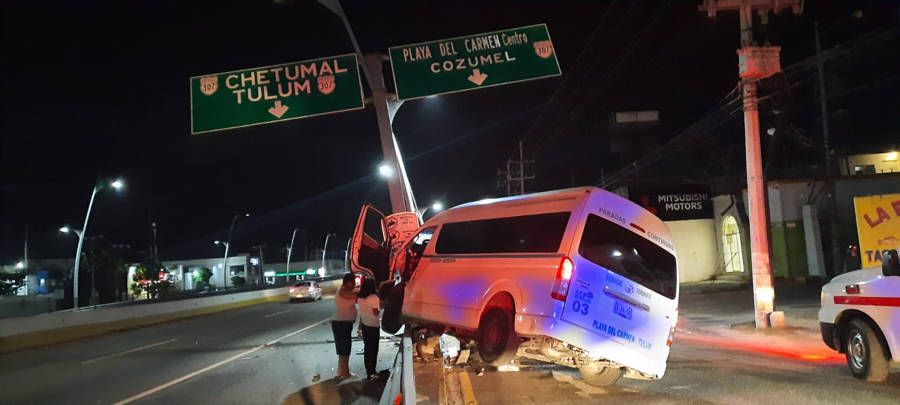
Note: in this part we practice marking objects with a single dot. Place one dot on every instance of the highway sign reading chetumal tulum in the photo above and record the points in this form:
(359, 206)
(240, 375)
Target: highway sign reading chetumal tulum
(267, 94)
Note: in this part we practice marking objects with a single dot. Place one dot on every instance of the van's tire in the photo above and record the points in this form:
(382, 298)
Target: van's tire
(391, 319)
(866, 355)
(600, 376)
(496, 337)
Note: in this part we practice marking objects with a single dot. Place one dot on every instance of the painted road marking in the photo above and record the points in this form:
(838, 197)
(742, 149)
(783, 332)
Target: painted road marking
(186, 377)
(136, 349)
(467, 391)
(277, 313)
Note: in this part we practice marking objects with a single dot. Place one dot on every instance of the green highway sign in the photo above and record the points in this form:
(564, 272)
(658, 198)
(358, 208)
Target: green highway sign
(473, 62)
(267, 94)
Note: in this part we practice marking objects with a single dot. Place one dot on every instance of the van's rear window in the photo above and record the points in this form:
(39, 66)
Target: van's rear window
(622, 251)
(541, 233)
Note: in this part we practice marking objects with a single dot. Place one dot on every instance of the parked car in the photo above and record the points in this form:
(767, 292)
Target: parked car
(305, 291)
(860, 317)
(579, 277)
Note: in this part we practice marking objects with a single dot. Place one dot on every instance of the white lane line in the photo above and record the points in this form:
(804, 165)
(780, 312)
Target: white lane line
(136, 349)
(277, 313)
(186, 377)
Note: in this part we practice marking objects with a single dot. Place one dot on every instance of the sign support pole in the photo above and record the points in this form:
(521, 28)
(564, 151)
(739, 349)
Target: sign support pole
(402, 199)
(386, 107)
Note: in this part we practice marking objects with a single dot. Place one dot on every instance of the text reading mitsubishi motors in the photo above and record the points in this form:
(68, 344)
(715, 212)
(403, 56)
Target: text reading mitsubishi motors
(579, 277)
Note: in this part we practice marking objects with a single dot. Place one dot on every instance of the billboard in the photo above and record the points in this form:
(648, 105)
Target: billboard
(878, 226)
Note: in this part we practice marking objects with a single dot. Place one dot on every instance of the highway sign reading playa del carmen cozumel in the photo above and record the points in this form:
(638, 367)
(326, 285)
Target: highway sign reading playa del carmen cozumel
(473, 62)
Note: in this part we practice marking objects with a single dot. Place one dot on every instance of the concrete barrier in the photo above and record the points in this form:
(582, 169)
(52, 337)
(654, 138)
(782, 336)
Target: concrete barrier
(56, 327)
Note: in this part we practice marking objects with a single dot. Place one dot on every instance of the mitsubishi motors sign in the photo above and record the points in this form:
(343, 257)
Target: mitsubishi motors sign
(674, 203)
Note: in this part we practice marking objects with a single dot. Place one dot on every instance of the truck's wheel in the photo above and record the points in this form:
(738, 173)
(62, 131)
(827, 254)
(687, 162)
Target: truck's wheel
(600, 376)
(391, 321)
(496, 337)
(865, 354)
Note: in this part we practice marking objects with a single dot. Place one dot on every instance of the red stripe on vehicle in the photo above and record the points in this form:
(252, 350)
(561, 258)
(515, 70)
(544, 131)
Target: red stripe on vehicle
(875, 301)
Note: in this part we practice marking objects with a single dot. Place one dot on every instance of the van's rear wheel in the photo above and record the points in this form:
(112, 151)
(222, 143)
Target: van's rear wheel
(865, 354)
(600, 376)
(496, 337)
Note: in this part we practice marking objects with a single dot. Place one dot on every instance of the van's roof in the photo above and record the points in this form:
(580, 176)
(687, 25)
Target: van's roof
(474, 208)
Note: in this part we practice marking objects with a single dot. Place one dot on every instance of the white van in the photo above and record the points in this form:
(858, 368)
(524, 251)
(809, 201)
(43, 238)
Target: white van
(860, 317)
(580, 277)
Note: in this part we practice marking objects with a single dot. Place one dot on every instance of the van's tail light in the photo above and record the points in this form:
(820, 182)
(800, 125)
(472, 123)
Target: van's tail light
(293, 290)
(563, 277)
(671, 336)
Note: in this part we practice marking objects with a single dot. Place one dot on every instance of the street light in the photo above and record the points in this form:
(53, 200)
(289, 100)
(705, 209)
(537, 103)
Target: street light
(325, 249)
(117, 184)
(227, 245)
(435, 207)
(385, 171)
(20, 265)
(290, 249)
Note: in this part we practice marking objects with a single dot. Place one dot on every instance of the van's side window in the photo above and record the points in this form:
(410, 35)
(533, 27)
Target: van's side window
(540, 233)
(414, 251)
(628, 254)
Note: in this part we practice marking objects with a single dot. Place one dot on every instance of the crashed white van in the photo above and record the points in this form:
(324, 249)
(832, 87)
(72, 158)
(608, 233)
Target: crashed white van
(860, 317)
(580, 277)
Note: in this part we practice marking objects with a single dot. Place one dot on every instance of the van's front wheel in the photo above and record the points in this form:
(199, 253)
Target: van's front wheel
(865, 354)
(496, 337)
(600, 376)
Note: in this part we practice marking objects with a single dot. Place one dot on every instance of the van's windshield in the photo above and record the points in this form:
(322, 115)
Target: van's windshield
(622, 251)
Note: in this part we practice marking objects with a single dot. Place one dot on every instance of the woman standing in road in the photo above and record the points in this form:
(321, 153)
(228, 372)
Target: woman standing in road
(370, 324)
(342, 323)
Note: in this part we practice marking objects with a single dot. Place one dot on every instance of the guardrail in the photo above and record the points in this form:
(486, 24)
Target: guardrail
(401, 385)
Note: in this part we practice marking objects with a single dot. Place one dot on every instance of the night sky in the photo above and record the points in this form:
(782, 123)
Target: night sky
(97, 87)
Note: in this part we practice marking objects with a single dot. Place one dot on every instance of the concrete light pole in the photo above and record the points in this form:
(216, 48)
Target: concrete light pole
(287, 266)
(325, 249)
(117, 184)
(754, 63)
(227, 245)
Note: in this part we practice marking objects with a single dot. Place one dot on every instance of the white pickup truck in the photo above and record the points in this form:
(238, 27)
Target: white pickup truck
(860, 317)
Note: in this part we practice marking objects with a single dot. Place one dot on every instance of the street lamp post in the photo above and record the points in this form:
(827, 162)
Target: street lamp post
(116, 184)
(436, 206)
(227, 245)
(287, 266)
(325, 249)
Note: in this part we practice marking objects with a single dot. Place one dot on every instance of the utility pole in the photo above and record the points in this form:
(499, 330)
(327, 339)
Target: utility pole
(755, 63)
(515, 174)
(829, 177)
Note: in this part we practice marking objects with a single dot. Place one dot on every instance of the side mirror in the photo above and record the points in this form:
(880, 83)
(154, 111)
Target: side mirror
(890, 263)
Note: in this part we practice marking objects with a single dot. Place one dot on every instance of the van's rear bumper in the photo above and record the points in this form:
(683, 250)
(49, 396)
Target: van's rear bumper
(593, 345)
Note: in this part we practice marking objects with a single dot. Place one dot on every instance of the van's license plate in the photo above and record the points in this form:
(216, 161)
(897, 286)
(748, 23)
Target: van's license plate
(622, 309)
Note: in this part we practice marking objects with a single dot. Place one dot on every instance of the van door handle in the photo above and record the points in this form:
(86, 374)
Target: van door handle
(623, 297)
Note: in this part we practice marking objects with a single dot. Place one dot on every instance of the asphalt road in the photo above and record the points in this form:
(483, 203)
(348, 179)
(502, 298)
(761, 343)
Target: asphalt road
(708, 364)
(264, 354)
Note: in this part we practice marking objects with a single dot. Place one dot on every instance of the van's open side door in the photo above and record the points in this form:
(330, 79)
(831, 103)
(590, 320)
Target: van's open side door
(369, 249)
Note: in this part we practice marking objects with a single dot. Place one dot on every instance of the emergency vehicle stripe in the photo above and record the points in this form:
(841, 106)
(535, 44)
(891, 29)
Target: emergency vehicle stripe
(875, 301)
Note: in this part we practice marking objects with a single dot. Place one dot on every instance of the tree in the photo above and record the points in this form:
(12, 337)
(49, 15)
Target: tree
(238, 281)
(10, 282)
(201, 277)
(152, 279)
